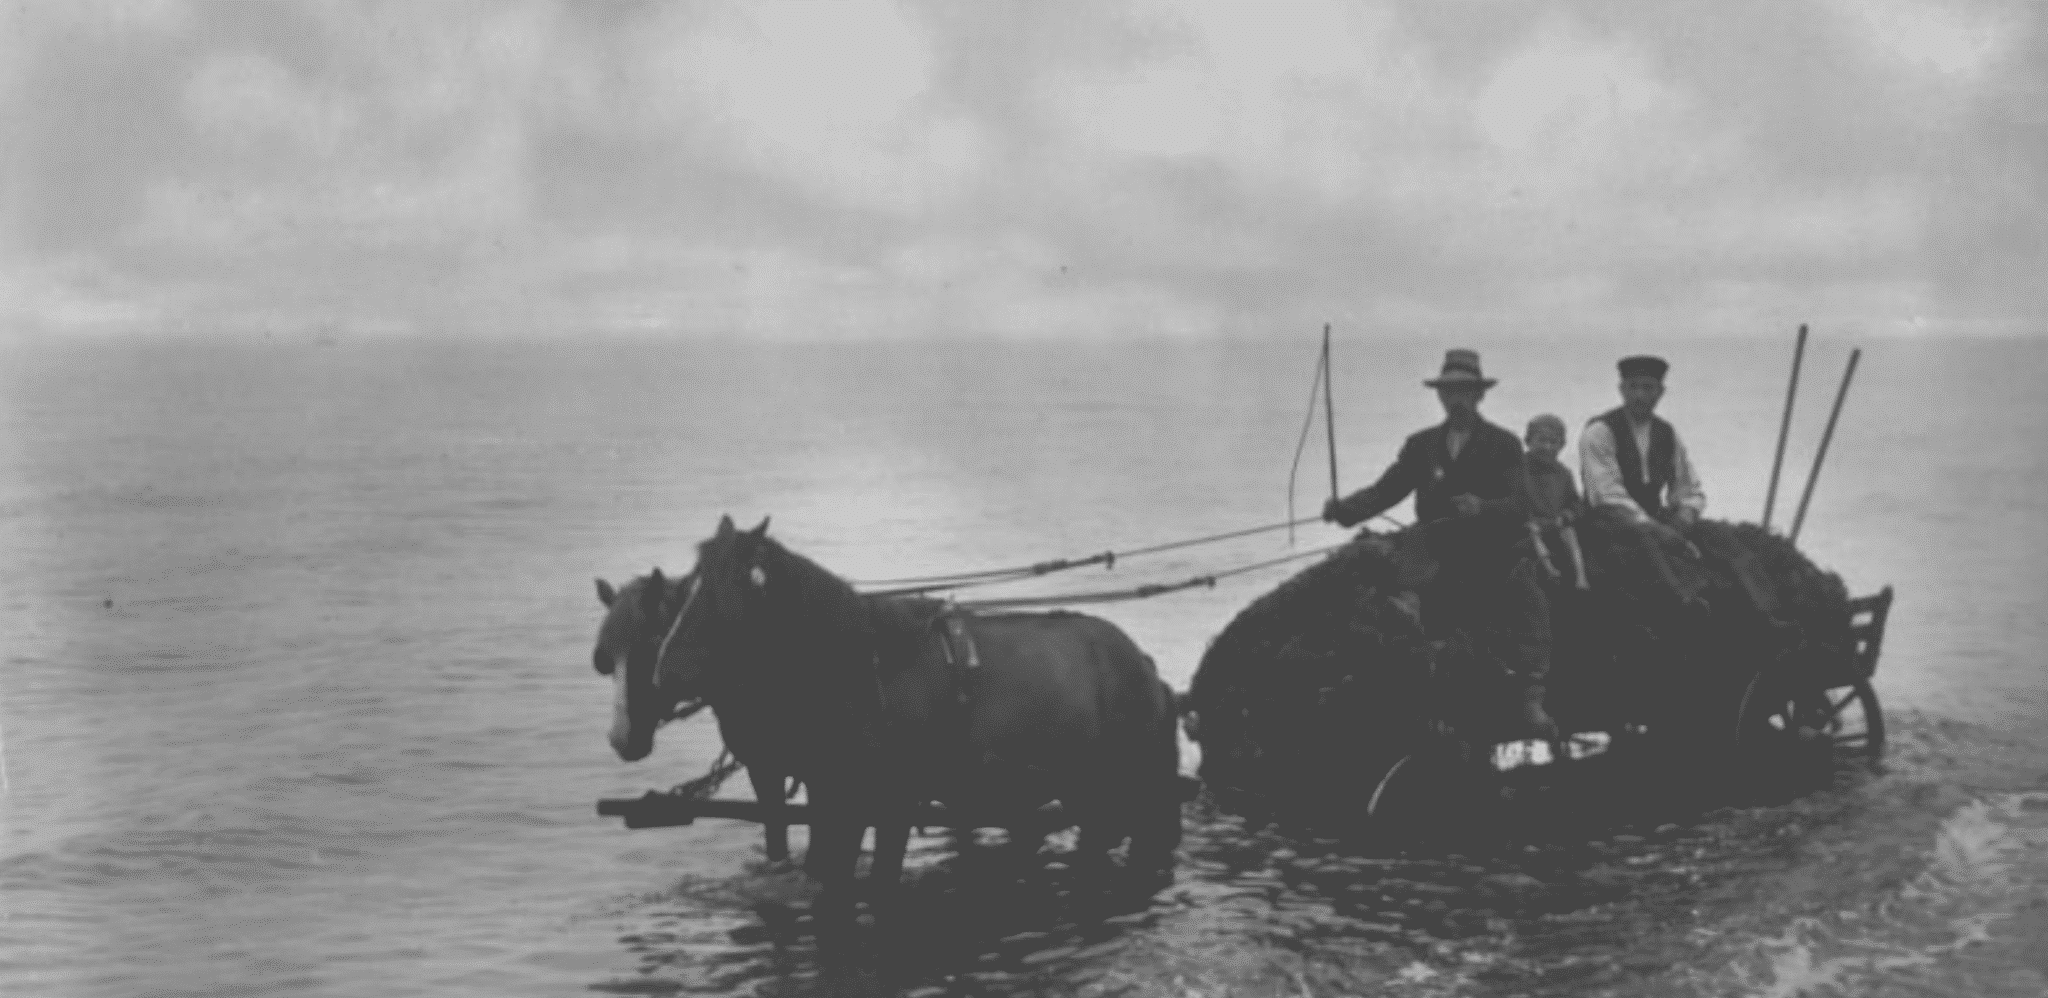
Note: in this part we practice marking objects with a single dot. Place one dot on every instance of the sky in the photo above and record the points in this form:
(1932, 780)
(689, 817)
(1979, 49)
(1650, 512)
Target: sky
(1023, 169)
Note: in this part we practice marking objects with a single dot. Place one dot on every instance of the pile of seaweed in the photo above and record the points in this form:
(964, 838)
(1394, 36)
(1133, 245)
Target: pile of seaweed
(1317, 687)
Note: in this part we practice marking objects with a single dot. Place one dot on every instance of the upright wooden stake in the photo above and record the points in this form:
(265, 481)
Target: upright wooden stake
(1784, 426)
(1329, 416)
(1799, 518)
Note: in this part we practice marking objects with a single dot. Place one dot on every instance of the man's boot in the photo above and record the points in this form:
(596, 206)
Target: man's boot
(1534, 718)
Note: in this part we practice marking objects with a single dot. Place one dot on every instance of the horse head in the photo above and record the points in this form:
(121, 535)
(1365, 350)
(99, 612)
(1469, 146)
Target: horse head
(628, 643)
(722, 609)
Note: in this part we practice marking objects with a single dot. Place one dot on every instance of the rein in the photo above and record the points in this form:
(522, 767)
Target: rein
(661, 649)
(862, 626)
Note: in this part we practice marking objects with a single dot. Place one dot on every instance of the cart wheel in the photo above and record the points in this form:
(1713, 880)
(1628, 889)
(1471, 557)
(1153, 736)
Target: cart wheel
(1856, 722)
(1406, 806)
(1423, 799)
(1381, 805)
(1780, 717)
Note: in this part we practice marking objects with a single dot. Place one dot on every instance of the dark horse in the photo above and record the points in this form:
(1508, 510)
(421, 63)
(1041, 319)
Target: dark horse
(636, 617)
(882, 704)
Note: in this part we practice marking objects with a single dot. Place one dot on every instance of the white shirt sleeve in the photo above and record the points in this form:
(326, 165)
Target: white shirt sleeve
(1686, 492)
(1600, 471)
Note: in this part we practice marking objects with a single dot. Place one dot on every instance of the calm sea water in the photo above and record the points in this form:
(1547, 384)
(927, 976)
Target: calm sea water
(297, 697)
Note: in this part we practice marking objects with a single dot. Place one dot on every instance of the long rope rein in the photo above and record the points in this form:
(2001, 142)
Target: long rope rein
(1319, 391)
(961, 580)
(1139, 592)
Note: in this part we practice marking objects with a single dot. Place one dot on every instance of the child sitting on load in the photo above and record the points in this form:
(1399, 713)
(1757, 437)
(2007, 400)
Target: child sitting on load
(1549, 499)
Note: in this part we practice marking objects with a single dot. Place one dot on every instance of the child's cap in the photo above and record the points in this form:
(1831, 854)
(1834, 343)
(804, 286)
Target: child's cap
(1548, 420)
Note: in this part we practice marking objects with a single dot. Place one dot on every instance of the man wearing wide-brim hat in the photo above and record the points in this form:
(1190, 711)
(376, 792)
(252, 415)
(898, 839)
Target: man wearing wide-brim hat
(1463, 473)
(1455, 468)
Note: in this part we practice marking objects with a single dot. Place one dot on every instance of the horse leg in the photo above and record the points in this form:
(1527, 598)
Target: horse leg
(835, 849)
(1104, 825)
(892, 843)
(1156, 827)
(768, 790)
(885, 880)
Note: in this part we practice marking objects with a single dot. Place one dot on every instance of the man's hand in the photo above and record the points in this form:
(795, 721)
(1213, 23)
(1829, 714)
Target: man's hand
(1333, 512)
(1466, 504)
(1666, 532)
(1684, 517)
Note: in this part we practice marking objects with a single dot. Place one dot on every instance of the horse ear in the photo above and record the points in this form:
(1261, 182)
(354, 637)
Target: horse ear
(650, 597)
(760, 531)
(605, 593)
(725, 527)
(654, 576)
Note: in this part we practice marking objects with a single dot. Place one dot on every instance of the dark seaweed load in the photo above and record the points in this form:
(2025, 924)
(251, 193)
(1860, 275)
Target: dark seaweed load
(1307, 697)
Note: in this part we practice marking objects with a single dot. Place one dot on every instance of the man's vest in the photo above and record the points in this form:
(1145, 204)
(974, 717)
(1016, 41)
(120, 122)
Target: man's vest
(1647, 492)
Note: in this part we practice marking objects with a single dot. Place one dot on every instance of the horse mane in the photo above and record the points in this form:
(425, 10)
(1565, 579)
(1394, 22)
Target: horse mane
(887, 631)
(834, 610)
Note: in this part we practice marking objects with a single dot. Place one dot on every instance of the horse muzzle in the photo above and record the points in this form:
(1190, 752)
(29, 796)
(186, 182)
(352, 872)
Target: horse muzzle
(633, 749)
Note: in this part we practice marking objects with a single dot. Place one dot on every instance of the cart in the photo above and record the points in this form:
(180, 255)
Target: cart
(1795, 710)
(1826, 700)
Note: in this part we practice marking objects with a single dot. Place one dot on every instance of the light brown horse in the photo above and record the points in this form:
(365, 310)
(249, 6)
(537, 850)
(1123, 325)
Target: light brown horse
(866, 701)
(636, 616)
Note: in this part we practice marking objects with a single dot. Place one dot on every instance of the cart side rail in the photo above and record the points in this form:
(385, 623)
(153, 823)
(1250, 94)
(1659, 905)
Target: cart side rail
(1867, 615)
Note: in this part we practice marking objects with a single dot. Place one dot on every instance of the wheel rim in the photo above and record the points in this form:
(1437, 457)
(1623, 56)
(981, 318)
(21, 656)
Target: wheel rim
(1855, 723)
(1771, 714)
(1373, 805)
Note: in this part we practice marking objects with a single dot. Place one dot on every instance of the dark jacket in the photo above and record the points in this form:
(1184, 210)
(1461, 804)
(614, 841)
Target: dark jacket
(1488, 466)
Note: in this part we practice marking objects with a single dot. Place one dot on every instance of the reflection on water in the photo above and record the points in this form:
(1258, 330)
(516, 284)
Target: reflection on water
(1565, 898)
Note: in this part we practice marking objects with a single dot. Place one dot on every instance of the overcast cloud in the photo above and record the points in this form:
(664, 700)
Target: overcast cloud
(1023, 169)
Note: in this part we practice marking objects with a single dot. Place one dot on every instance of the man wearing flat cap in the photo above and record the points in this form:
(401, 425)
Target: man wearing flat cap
(1631, 459)
(1458, 558)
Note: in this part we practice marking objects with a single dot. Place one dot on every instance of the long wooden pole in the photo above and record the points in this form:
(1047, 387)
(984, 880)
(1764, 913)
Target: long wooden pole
(1799, 518)
(1329, 416)
(1784, 426)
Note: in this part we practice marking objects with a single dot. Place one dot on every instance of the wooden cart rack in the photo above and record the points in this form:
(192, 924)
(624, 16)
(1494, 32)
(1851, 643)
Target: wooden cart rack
(1828, 699)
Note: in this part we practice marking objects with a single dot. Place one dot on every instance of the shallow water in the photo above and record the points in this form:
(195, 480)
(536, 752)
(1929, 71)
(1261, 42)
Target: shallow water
(1900, 883)
(297, 695)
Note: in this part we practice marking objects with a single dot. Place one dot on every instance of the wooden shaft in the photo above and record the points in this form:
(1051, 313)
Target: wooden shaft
(655, 809)
(659, 810)
(1799, 518)
(1784, 426)
(1329, 416)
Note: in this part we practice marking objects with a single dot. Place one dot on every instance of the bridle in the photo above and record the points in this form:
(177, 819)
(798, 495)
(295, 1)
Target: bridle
(688, 706)
(675, 625)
